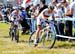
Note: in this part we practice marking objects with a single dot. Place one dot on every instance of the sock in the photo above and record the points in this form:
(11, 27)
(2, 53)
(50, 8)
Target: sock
(35, 41)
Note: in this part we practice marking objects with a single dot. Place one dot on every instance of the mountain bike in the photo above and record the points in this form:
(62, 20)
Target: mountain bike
(14, 31)
(47, 36)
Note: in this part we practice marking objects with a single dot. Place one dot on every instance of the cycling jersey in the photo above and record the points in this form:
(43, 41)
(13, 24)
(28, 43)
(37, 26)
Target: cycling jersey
(40, 18)
(15, 16)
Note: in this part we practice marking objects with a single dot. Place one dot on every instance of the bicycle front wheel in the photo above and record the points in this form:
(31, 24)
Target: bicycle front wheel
(16, 35)
(49, 39)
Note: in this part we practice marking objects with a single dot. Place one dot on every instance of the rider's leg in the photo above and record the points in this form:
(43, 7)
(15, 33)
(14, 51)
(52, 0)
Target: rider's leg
(11, 25)
(37, 34)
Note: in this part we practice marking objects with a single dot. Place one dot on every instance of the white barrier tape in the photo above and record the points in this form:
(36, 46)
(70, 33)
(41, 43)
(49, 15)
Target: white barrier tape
(58, 19)
(65, 37)
(29, 18)
(71, 19)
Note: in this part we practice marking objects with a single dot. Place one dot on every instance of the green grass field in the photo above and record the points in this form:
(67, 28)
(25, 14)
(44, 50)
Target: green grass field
(11, 47)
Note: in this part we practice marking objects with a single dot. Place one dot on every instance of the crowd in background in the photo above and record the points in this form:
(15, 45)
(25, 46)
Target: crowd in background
(63, 9)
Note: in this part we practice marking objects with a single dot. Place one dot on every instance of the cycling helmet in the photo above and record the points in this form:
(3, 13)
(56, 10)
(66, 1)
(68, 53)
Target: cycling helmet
(51, 6)
(15, 8)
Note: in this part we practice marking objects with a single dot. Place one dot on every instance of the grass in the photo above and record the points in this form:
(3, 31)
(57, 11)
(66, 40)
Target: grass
(11, 47)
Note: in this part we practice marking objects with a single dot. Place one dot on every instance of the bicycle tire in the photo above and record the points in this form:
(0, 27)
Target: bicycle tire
(9, 34)
(31, 39)
(14, 35)
(49, 43)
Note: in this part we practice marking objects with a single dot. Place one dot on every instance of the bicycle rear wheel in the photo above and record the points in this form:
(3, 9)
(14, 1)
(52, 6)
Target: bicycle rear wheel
(49, 38)
(31, 39)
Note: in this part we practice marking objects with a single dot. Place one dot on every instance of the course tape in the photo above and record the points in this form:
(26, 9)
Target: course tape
(58, 19)
(65, 36)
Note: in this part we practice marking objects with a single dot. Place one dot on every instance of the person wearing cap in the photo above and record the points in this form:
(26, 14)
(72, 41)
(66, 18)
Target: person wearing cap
(68, 30)
(44, 15)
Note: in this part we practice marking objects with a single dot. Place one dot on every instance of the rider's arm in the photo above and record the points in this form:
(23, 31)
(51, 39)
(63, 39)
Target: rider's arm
(44, 15)
(10, 17)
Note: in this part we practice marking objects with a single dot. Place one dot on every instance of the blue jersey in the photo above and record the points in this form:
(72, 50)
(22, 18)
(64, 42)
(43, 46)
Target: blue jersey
(24, 14)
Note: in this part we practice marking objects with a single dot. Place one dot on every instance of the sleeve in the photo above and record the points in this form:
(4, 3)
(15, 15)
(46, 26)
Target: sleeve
(45, 13)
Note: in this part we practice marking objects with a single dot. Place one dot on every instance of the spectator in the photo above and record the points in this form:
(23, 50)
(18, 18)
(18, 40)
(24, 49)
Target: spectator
(23, 22)
(43, 6)
(59, 11)
(68, 30)
(35, 13)
(59, 15)
(5, 12)
(71, 12)
(55, 2)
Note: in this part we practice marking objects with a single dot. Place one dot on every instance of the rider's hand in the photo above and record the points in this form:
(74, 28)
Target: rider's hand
(47, 24)
(64, 15)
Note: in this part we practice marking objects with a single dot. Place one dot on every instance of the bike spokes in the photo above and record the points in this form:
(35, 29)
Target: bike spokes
(49, 40)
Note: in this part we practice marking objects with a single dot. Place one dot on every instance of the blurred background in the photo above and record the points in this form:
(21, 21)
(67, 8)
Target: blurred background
(19, 2)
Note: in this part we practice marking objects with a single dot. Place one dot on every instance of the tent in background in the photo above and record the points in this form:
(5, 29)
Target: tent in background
(25, 3)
